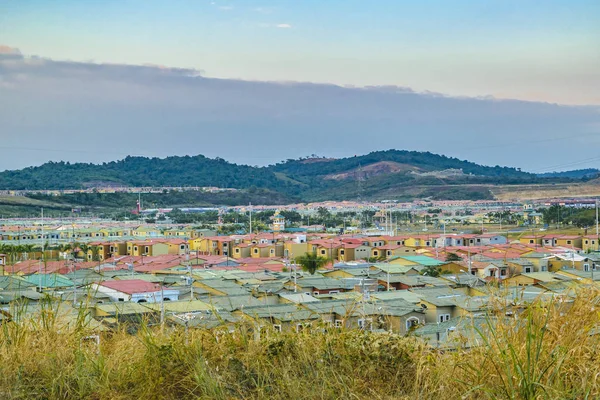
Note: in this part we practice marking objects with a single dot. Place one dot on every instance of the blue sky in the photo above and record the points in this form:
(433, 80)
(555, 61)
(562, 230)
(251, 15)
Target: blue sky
(531, 50)
(99, 80)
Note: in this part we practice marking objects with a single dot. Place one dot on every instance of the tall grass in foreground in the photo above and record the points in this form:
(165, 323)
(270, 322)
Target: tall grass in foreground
(550, 352)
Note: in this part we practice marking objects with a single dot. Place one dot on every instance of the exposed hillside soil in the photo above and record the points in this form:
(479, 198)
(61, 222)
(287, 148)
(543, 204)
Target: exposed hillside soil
(379, 168)
(546, 191)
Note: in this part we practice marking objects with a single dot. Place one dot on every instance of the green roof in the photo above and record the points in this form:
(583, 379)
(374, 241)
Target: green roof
(49, 280)
(14, 283)
(424, 260)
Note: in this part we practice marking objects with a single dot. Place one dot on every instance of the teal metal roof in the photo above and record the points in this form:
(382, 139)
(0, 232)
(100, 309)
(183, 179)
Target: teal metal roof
(424, 260)
(49, 280)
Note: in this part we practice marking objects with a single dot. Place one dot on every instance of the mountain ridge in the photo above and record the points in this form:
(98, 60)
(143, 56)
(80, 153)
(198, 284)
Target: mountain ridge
(310, 178)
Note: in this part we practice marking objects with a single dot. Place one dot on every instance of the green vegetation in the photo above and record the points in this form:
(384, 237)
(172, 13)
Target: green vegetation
(549, 352)
(311, 262)
(579, 217)
(392, 174)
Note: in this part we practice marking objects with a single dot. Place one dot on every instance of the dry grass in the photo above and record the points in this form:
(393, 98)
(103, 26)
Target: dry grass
(548, 353)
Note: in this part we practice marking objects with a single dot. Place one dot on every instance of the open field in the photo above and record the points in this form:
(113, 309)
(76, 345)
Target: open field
(537, 192)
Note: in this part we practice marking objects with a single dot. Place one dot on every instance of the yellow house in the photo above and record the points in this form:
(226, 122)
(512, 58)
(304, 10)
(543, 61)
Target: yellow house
(559, 262)
(590, 243)
(531, 239)
(117, 249)
(213, 245)
(241, 250)
(353, 251)
(98, 251)
(570, 241)
(266, 250)
(420, 241)
(293, 249)
(147, 248)
(177, 246)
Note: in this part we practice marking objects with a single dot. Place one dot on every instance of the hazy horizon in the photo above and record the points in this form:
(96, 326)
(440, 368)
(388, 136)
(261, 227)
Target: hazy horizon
(502, 83)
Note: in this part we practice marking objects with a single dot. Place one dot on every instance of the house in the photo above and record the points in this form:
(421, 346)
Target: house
(534, 278)
(147, 248)
(392, 250)
(281, 317)
(557, 262)
(443, 303)
(590, 243)
(354, 251)
(535, 240)
(136, 290)
(568, 241)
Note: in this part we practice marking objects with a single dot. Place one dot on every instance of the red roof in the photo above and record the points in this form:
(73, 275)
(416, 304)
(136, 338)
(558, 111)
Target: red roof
(132, 286)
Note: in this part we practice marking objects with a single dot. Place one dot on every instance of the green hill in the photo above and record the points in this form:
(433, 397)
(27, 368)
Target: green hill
(393, 174)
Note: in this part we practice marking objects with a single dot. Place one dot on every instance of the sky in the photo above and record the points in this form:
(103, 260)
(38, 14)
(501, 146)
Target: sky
(497, 82)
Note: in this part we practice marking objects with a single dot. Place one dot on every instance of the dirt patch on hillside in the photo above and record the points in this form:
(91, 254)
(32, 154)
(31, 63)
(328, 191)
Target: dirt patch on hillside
(379, 168)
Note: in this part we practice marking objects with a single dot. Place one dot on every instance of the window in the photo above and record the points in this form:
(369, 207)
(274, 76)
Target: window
(121, 299)
(443, 317)
(342, 252)
(527, 270)
(338, 323)
(411, 323)
(389, 253)
(255, 251)
(146, 249)
(277, 327)
(334, 291)
(503, 272)
(323, 252)
(299, 327)
(237, 250)
(586, 242)
(531, 241)
(569, 242)
(135, 248)
(586, 267)
(375, 253)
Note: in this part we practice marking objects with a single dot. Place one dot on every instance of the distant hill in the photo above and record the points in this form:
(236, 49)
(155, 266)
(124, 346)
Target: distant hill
(575, 174)
(392, 174)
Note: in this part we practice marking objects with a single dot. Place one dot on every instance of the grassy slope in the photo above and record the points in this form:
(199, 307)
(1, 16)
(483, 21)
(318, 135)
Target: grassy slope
(549, 353)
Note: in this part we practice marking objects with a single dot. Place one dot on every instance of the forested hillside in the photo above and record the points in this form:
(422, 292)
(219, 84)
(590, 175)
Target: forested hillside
(393, 174)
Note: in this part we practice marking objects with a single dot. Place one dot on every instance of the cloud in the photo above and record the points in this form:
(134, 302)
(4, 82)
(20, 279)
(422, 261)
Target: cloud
(284, 26)
(8, 50)
(84, 111)
(14, 65)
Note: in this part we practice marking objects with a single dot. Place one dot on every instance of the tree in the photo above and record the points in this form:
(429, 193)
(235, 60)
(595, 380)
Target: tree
(431, 270)
(95, 253)
(84, 249)
(453, 257)
(311, 262)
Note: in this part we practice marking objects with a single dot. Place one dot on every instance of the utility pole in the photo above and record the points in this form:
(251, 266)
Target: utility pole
(43, 248)
(162, 306)
(250, 218)
(469, 261)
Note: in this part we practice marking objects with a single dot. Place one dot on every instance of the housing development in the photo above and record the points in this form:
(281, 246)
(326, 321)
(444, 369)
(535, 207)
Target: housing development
(431, 284)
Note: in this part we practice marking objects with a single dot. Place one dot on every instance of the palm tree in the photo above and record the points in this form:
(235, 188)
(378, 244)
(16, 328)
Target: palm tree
(95, 253)
(84, 248)
(311, 262)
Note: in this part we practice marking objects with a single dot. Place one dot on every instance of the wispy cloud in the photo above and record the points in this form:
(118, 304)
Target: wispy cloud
(263, 10)
(283, 26)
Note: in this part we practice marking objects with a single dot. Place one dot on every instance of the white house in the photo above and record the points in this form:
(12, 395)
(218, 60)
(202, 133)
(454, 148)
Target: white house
(136, 290)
